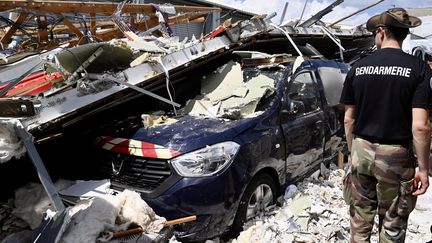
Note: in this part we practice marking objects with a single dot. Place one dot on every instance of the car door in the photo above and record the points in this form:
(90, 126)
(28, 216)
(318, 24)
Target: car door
(302, 123)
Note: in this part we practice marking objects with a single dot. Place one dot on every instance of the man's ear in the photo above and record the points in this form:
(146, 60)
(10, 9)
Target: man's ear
(383, 36)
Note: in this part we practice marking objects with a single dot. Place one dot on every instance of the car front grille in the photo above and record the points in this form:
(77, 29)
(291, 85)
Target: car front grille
(137, 172)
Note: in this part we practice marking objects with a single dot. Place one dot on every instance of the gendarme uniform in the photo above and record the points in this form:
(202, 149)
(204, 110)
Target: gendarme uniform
(384, 87)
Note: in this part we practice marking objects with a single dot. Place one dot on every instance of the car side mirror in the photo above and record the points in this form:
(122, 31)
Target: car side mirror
(293, 96)
(295, 106)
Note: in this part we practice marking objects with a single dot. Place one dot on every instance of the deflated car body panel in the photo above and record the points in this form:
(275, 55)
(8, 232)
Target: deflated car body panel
(191, 133)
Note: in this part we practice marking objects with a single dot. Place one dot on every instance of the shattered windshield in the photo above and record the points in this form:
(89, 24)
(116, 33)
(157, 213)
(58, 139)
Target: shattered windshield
(234, 92)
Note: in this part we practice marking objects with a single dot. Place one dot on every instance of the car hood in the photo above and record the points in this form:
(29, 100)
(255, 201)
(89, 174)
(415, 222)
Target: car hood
(186, 134)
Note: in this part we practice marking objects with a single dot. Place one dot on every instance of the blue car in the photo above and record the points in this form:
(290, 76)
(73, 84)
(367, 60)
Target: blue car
(232, 150)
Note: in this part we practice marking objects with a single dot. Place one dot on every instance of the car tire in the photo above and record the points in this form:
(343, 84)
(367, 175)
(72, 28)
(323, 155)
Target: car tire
(259, 194)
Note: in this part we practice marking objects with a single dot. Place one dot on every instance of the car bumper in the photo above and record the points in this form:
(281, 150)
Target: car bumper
(213, 200)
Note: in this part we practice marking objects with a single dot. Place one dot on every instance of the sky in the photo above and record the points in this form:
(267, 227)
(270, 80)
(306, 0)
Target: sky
(313, 6)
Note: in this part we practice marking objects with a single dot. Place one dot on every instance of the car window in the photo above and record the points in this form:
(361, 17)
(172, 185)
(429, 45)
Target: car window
(233, 92)
(303, 93)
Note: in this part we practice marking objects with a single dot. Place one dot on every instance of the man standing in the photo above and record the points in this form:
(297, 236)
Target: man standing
(386, 97)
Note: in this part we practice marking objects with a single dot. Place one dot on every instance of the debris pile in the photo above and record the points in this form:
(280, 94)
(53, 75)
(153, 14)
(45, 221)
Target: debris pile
(100, 218)
(94, 71)
(114, 50)
(316, 212)
(39, 25)
(10, 223)
(31, 202)
(10, 144)
(420, 222)
(26, 210)
(313, 211)
(230, 92)
(90, 220)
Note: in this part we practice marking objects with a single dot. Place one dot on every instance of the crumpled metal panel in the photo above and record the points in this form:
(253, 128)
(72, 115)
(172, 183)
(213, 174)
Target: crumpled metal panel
(112, 57)
(318, 31)
(63, 104)
(176, 59)
(332, 80)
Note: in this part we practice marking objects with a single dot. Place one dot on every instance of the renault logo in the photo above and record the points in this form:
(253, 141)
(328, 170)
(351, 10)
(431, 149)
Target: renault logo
(116, 165)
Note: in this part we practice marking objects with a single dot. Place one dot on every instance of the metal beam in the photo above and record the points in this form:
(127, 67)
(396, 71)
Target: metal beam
(92, 7)
(7, 37)
(44, 177)
(312, 20)
(283, 13)
(132, 86)
(361, 10)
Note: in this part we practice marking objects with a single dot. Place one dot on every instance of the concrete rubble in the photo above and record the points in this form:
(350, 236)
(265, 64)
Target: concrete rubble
(10, 144)
(316, 212)
(92, 219)
(313, 211)
(226, 94)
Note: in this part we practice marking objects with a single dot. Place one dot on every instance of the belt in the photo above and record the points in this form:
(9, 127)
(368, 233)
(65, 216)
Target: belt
(402, 142)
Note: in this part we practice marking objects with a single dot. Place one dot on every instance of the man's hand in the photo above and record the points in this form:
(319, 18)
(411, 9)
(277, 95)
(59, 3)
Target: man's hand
(420, 177)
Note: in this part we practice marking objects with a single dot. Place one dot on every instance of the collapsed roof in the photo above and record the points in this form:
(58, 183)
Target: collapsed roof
(94, 77)
(102, 21)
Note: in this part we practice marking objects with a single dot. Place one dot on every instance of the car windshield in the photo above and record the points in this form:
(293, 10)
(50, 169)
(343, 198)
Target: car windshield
(234, 92)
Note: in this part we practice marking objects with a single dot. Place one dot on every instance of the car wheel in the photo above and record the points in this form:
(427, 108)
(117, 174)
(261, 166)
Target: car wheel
(260, 194)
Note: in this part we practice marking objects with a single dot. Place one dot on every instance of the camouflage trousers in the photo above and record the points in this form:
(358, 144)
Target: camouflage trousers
(381, 182)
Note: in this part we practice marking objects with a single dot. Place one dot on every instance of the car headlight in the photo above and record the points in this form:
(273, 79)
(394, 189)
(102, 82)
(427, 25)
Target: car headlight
(206, 161)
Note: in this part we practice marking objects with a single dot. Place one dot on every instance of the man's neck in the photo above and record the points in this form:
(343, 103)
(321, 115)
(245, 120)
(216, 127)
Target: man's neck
(390, 44)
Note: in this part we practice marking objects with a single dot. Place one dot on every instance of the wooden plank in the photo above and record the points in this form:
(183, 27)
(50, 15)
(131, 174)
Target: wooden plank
(42, 29)
(198, 20)
(131, 35)
(108, 25)
(180, 220)
(6, 38)
(92, 7)
(128, 233)
(109, 34)
(139, 229)
(72, 28)
(102, 24)
(183, 18)
(341, 159)
(111, 31)
(93, 23)
(145, 25)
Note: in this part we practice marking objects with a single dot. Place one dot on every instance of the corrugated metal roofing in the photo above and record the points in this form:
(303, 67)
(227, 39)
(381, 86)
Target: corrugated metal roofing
(224, 6)
(420, 12)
